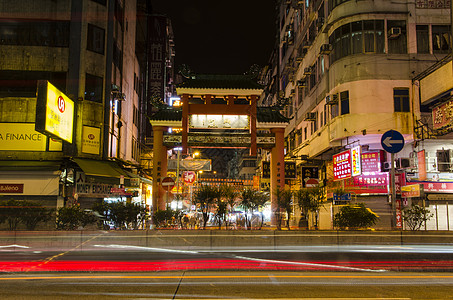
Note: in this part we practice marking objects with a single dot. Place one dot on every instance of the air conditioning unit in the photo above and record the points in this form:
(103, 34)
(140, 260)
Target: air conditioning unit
(310, 116)
(394, 32)
(403, 163)
(325, 49)
(332, 99)
(307, 71)
(302, 83)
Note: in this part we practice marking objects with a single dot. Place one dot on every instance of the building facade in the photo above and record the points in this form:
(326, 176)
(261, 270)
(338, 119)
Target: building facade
(345, 69)
(87, 51)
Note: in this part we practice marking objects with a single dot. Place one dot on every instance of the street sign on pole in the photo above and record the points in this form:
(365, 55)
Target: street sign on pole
(392, 141)
(168, 183)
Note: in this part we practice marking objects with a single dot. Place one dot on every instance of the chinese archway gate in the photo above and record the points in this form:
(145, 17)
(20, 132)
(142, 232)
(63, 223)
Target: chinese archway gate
(218, 111)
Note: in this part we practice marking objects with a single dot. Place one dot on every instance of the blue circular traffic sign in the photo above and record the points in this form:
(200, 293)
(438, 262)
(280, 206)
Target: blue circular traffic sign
(392, 141)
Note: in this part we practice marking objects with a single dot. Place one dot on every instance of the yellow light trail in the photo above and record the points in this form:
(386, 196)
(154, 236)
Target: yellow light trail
(225, 277)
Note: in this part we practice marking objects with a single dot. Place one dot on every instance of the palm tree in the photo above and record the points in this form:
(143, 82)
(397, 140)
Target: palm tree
(230, 195)
(283, 198)
(206, 196)
(310, 200)
(247, 196)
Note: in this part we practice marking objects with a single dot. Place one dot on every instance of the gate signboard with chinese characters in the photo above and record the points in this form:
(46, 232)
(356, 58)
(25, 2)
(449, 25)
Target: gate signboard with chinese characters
(443, 115)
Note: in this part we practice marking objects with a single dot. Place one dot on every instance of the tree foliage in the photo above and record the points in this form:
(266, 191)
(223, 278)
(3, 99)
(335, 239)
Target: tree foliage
(73, 217)
(283, 199)
(415, 216)
(28, 213)
(355, 216)
(205, 198)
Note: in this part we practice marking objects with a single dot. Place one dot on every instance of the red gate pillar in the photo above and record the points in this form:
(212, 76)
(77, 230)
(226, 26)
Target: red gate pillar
(159, 167)
(277, 168)
(185, 123)
(253, 101)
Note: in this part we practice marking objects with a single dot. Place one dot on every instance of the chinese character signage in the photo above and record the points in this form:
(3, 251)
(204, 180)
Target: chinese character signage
(412, 190)
(266, 169)
(189, 177)
(421, 165)
(443, 115)
(310, 176)
(342, 165)
(371, 161)
(91, 140)
(290, 170)
(219, 121)
(54, 112)
(356, 163)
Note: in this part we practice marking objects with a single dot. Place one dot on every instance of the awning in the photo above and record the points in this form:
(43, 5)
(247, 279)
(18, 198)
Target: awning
(101, 168)
(29, 165)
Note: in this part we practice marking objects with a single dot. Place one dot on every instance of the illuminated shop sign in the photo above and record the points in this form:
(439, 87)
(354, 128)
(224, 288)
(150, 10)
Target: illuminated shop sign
(91, 139)
(219, 121)
(413, 190)
(21, 137)
(54, 112)
(356, 162)
(342, 165)
(371, 161)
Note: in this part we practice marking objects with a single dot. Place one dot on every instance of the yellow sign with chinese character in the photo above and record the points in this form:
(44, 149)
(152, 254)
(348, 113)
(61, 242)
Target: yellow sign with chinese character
(54, 112)
(91, 140)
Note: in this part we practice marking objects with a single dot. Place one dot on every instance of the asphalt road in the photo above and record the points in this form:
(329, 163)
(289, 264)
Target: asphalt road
(227, 285)
(297, 272)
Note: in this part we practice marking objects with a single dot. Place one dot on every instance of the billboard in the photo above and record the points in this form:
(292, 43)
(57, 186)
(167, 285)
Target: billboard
(54, 112)
(342, 167)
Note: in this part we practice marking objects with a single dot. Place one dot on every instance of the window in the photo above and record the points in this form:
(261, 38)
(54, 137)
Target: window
(23, 83)
(103, 2)
(441, 39)
(422, 38)
(401, 99)
(95, 39)
(344, 102)
(396, 35)
(357, 37)
(93, 88)
(443, 160)
(34, 33)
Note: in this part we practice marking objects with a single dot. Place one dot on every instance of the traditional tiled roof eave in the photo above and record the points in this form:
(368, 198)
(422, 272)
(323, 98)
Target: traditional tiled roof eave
(241, 85)
(218, 92)
(268, 117)
(167, 117)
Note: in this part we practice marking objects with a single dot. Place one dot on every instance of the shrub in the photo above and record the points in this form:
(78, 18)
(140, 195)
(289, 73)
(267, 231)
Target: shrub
(354, 217)
(73, 217)
(416, 216)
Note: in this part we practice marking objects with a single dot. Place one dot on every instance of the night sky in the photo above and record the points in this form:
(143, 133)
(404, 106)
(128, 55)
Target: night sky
(221, 37)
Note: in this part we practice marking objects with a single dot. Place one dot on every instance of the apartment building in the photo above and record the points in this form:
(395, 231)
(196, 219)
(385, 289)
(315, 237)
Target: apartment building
(345, 69)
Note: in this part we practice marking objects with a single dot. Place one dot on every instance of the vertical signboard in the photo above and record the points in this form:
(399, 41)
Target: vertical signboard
(356, 162)
(54, 112)
(421, 165)
(91, 140)
(342, 165)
